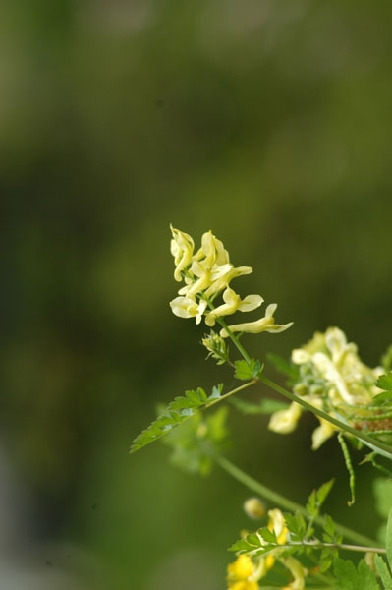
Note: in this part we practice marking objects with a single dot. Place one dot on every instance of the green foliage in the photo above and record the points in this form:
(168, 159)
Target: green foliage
(388, 541)
(383, 572)
(382, 491)
(193, 441)
(264, 406)
(246, 371)
(179, 410)
(350, 577)
(385, 381)
(318, 497)
(288, 369)
(386, 360)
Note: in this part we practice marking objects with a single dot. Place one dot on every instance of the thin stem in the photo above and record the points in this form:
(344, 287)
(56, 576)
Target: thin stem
(368, 440)
(230, 393)
(341, 546)
(276, 498)
(235, 340)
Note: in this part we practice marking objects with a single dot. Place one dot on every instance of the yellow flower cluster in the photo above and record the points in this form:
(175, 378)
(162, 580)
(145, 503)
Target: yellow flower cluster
(333, 378)
(244, 573)
(207, 273)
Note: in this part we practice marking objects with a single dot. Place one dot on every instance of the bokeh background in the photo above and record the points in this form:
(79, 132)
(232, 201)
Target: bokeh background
(268, 122)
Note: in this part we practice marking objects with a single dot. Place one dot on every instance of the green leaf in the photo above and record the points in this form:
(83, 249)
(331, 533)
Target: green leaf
(388, 541)
(385, 381)
(330, 535)
(245, 371)
(348, 577)
(178, 410)
(386, 361)
(323, 491)
(382, 398)
(382, 490)
(286, 368)
(296, 524)
(193, 441)
(317, 497)
(383, 572)
(268, 536)
(264, 406)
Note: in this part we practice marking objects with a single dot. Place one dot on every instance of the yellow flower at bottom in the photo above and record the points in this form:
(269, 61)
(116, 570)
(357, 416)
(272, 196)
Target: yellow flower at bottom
(239, 574)
(244, 585)
(240, 569)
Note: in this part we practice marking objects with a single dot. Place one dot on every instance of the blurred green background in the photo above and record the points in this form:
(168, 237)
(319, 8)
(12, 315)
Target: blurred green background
(268, 122)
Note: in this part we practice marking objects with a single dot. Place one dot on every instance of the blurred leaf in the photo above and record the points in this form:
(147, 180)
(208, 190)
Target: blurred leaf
(181, 408)
(264, 406)
(385, 382)
(348, 577)
(382, 491)
(383, 572)
(193, 441)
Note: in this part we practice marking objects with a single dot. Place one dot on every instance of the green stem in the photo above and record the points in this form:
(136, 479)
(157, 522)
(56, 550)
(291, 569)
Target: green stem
(229, 393)
(236, 341)
(340, 546)
(275, 498)
(384, 449)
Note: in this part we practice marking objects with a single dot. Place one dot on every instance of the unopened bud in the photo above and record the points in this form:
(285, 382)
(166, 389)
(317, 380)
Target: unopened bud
(254, 508)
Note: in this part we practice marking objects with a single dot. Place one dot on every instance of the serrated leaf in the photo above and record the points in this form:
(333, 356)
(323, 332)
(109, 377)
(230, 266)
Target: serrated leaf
(180, 409)
(329, 534)
(383, 572)
(241, 545)
(296, 524)
(254, 540)
(323, 491)
(385, 381)
(245, 371)
(268, 536)
(348, 577)
(366, 576)
(264, 406)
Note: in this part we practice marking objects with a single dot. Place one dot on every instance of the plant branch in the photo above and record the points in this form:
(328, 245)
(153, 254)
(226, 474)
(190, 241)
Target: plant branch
(380, 447)
(285, 503)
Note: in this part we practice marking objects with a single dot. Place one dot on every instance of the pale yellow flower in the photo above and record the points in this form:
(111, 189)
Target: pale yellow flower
(185, 307)
(212, 251)
(181, 247)
(322, 433)
(285, 421)
(298, 571)
(265, 324)
(233, 303)
(207, 274)
(333, 379)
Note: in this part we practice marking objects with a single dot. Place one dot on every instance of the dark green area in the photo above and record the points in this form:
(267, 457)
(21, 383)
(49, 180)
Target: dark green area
(268, 123)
